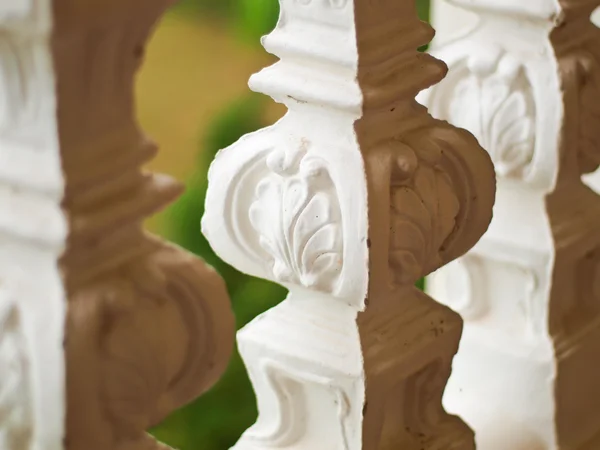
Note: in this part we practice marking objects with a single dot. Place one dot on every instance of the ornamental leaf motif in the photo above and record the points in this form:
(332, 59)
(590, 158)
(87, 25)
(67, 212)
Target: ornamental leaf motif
(495, 103)
(441, 197)
(422, 217)
(297, 216)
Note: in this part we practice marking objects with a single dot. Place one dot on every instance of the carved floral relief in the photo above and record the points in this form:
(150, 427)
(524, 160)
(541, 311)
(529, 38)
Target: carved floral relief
(491, 96)
(297, 216)
(437, 202)
(423, 211)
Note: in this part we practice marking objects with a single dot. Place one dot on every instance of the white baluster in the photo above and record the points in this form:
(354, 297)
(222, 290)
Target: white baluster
(148, 327)
(32, 234)
(347, 201)
(526, 82)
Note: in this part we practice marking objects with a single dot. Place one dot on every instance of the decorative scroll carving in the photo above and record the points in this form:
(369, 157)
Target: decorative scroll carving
(288, 384)
(149, 327)
(349, 199)
(529, 71)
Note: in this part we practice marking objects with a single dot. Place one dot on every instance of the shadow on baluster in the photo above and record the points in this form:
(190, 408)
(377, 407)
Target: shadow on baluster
(347, 201)
(149, 326)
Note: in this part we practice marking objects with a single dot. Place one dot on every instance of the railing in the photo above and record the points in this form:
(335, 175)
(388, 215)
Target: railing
(147, 327)
(347, 202)
(524, 77)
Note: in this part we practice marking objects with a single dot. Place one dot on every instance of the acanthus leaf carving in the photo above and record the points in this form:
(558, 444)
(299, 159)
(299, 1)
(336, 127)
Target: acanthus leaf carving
(434, 194)
(491, 96)
(423, 212)
(296, 214)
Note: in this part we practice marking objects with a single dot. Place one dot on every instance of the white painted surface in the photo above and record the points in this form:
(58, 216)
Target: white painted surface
(508, 379)
(32, 234)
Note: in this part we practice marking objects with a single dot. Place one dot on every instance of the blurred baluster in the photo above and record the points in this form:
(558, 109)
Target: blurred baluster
(32, 234)
(147, 327)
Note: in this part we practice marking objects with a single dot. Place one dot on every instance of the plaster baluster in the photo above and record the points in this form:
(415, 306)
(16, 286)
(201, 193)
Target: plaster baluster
(149, 326)
(347, 201)
(32, 234)
(526, 81)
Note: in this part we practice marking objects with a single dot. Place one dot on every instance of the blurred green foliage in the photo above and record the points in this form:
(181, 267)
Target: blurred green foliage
(250, 19)
(216, 420)
(255, 18)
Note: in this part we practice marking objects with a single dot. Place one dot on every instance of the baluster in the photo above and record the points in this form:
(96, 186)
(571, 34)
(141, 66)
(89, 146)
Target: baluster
(32, 235)
(148, 327)
(347, 201)
(526, 81)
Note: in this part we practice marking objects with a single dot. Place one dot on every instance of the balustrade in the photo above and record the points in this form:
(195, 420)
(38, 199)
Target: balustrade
(145, 326)
(33, 231)
(347, 201)
(524, 77)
